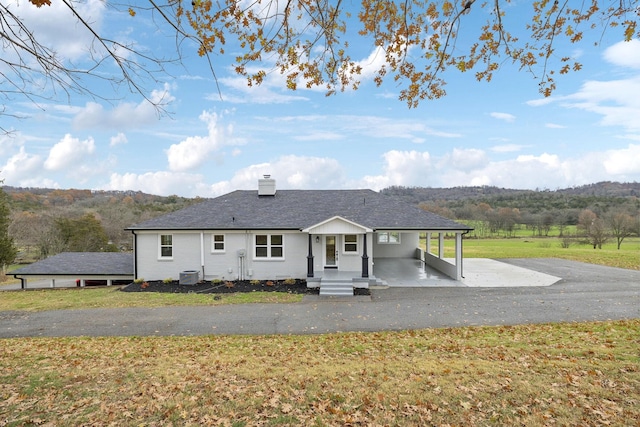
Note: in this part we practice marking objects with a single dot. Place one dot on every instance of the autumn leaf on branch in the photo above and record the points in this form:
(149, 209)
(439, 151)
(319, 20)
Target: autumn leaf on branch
(40, 3)
(309, 42)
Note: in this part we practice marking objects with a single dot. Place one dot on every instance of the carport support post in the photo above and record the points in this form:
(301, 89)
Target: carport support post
(427, 247)
(53, 283)
(310, 258)
(458, 256)
(365, 258)
(441, 245)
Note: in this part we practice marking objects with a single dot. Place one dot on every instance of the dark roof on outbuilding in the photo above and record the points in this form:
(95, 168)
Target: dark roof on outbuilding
(81, 264)
(299, 209)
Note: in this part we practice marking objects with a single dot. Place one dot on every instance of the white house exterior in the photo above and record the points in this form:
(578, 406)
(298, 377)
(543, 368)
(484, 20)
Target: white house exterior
(269, 234)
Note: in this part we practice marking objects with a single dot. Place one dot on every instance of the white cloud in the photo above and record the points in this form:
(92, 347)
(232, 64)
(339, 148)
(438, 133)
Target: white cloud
(161, 183)
(8, 143)
(616, 101)
(465, 159)
(118, 139)
(462, 167)
(269, 92)
(319, 136)
(402, 168)
(290, 172)
(554, 126)
(541, 101)
(69, 153)
(623, 161)
(624, 54)
(503, 116)
(507, 148)
(195, 150)
(22, 168)
(459, 167)
(126, 115)
(59, 28)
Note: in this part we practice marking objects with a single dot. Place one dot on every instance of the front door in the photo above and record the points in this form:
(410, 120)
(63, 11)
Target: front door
(330, 252)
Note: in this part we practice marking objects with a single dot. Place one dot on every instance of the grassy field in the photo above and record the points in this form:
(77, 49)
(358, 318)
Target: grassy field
(563, 374)
(627, 257)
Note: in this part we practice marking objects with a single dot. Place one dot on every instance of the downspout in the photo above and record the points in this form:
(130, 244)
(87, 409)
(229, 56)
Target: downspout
(135, 254)
(202, 253)
(22, 280)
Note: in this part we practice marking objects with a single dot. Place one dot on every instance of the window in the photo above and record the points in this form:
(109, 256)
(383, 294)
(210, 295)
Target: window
(166, 246)
(350, 243)
(269, 246)
(217, 243)
(389, 237)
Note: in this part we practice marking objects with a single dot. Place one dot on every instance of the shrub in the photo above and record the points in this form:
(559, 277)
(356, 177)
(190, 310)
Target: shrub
(139, 280)
(289, 281)
(566, 242)
(167, 280)
(254, 282)
(229, 284)
(216, 281)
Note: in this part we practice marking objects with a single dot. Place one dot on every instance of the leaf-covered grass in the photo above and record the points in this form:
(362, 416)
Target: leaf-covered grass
(561, 374)
(110, 297)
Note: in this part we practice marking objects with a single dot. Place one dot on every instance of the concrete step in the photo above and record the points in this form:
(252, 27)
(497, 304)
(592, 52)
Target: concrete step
(335, 288)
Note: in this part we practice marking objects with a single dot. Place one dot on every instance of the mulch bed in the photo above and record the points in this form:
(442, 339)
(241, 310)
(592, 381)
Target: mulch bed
(225, 287)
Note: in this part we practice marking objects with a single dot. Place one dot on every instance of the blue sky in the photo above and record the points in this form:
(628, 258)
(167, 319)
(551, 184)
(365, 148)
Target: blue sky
(502, 133)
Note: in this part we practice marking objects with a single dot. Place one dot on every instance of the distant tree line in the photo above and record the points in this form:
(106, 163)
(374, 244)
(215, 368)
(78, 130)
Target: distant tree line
(45, 222)
(597, 212)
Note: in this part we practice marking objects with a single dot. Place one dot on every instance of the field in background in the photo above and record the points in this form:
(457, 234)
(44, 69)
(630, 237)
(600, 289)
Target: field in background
(547, 247)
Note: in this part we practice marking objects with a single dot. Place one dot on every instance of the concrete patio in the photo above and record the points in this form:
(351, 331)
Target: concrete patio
(477, 272)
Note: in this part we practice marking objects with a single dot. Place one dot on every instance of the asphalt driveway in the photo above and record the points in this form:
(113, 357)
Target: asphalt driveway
(585, 292)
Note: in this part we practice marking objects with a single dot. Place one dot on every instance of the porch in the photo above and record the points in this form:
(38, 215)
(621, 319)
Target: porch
(392, 272)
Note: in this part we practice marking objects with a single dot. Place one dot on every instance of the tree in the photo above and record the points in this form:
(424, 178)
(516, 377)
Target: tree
(621, 225)
(314, 42)
(586, 220)
(8, 250)
(598, 233)
(84, 234)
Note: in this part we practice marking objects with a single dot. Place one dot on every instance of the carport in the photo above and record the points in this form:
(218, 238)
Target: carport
(479, 273)
(82, 266)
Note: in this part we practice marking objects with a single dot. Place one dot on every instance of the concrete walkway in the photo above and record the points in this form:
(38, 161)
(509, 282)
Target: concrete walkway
(586, 292)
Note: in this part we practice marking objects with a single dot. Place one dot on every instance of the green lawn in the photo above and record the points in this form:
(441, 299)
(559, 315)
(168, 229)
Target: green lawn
(627, 257)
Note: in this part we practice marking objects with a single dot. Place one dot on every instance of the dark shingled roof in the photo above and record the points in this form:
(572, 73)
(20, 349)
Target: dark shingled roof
(299, 209)
(81, 264)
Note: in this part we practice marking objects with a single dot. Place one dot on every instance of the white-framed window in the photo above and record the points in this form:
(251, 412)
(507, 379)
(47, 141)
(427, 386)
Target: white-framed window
(269, 246)
(165, 246)
(389, 238)
(350, 243)
(217, 243)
